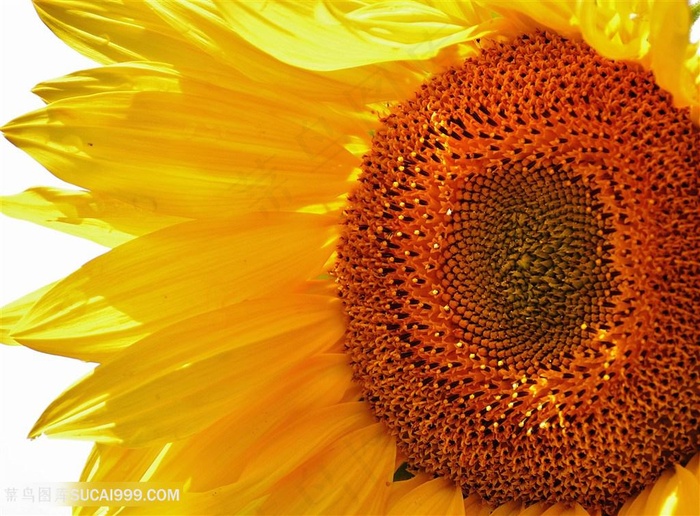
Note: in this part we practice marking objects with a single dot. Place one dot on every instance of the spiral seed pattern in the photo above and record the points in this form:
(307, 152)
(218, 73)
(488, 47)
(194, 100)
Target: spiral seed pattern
(520, 268)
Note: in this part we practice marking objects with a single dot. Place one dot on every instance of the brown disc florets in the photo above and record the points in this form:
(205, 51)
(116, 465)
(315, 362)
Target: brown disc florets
(520, 268)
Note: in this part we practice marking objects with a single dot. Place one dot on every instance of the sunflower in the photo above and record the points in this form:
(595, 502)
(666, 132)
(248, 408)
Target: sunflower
(405, 257)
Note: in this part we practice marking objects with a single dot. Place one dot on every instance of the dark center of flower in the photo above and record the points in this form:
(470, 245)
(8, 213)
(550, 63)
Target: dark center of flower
(520, 268)
(527, 267)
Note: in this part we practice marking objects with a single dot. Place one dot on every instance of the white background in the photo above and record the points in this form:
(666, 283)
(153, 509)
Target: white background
(31, 257)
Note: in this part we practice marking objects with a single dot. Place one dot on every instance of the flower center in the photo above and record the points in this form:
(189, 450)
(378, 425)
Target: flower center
(526, 267)
(519, 268)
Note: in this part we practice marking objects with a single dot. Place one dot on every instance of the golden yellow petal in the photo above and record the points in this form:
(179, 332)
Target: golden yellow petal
(333, 106)
(318, 383)
(554, 14)
(193, 36)
(636, 504)
(98, 218)
(461, 12)
(183, 378)
(206, 28)
(688, 489)
(203, 150)
(289, 445)
(119, 464)
(329, 36)
(561, 509)
(652, 499)
(180, 271)
(13, 312)
(351, 476)
(279, 453)
(507, 509)
(437, 496)
(313, 384)
(671, 55)
(125, 77)
(474, 505)
(617, 30)
(535, 509)
(675, 493)
(123, 30)
(402, 488)
(238, 91)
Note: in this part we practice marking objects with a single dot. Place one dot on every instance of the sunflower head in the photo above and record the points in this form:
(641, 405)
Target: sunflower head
(504, 198)
(497, 259)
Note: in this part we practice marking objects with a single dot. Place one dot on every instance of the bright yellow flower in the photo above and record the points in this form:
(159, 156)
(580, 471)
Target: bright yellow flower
(517, 262)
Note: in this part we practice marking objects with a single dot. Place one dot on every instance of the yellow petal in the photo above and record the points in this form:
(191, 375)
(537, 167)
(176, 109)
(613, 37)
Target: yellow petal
(183, 378)
(475, 506)
(336, 36)
(561, 509)
(118, 464)
(122, 30)
(670, 26)
(314, 383)
(319, 382)
(192, 36)
(289, 445)
(535, 509)
(183, 270)
(438, 496)
(203, 150)
(13, 312)
(617, 30)
(461, 12)
(635, 505)
(239, 91)
(687, 492)
(277, 454)
(680, 497)
(189, 34)
(675, 493)
(402, 488)
(555, 14)
(129, 77)
(511, 508)
(98, 218)
(351, 476)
